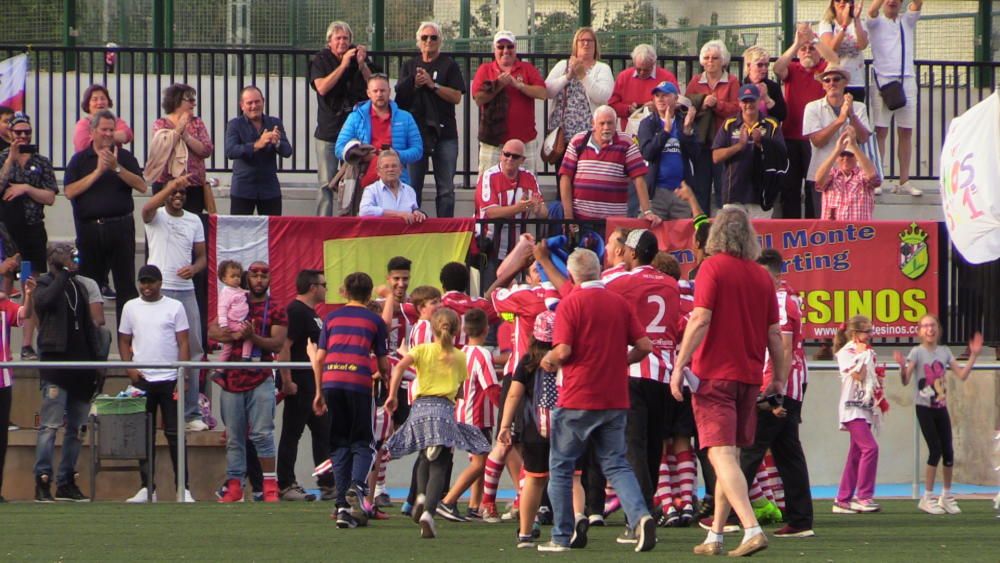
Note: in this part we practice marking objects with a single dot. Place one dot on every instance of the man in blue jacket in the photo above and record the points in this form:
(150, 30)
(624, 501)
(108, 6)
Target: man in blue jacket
(252, 141)
(667, 143)
(380, 123)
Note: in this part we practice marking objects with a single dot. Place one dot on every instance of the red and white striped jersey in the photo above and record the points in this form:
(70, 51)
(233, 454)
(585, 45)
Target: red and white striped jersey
(399, 329)
(421, 333)
(790, 313)
(382, 424)
(496, 190)
(461, 304)
(11, 314)
(525, 303)
(474, 405)
(655, 301)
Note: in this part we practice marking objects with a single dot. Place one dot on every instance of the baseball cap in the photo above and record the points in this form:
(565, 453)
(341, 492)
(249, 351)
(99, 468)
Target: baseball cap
(749, 92)
(20, 117)
(545, 324)
(504, 35)
(666, 88)
(644, 243)
(149, 272)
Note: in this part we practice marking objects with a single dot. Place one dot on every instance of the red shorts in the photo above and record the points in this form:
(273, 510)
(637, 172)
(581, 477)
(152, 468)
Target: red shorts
(725, 413)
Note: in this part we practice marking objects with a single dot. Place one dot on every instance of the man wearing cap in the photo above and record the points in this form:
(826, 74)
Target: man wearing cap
(737, 145)
(595, 172)
(847, 179)
(667, 143)
(507, 82)
(655, 300)
(154, 328)
(99, 181)
(825, 119)
(801, 87)
(65, 333)
(27, 184)
(173, 236)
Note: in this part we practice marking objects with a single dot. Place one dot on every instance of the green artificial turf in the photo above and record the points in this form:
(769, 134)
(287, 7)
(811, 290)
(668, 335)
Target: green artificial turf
(304, 532)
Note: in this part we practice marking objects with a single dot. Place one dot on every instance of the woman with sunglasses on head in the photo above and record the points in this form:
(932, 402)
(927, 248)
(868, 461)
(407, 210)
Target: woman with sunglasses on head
(27, 184)
(756, 63)
(842, 30)
(95, 98)
(430, 87)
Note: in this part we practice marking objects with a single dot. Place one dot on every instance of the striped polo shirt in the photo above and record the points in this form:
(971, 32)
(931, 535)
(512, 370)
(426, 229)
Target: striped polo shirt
(601, 175)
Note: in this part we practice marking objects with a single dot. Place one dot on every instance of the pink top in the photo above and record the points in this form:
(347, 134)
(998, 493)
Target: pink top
(11, 314)
(82, 138)
(233, 307)
(196, 161)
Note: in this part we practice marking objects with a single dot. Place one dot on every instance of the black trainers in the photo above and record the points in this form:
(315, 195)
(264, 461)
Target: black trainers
(344, 519)
(579, 537)
(43, 489)
(28, 354)
(645, 533)
(544, 516)
(70, 493)
(108, 293)
(450, 512)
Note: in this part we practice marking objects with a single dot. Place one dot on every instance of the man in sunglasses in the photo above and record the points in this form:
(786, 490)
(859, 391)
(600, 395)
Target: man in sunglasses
(27, 184)
(826, 119)
(247, 400)
(521, 84)
(430, 86)
(801, 87)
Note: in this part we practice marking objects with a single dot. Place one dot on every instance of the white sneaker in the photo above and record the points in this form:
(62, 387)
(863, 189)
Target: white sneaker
(141, 496)
(948, 504)
(187, 496)
(878, 190)
(929, 505)
(909, 189)
(196, 425)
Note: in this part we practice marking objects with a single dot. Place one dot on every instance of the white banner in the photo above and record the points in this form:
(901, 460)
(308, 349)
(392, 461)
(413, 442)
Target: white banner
(970, 181)
(13, 73)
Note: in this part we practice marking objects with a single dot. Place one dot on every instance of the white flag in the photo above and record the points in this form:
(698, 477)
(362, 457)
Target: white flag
(13, 74)
(970, 181)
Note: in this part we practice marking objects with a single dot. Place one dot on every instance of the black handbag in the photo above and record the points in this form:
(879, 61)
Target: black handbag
(893, 95)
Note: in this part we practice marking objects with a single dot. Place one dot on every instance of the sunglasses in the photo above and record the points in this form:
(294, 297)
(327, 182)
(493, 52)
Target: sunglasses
(506, 48)
(428, 37)
(259, 270)
(833, 79)
(512, 155)
(22, 132)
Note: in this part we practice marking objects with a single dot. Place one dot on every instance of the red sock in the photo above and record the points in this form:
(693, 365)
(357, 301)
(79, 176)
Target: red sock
(687, 472)
(383, 459)
(774, 481)
(491, 479)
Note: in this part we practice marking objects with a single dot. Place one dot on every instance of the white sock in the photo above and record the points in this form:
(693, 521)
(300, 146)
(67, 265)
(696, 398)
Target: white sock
(749, 533)
(928, 494)
(379, 489)
(713, 537)
(945, 491)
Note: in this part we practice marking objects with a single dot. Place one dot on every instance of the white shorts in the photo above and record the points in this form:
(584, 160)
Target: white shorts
(906, 116)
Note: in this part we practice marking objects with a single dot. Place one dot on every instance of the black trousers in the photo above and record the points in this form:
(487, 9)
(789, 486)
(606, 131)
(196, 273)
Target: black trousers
(110, 246)
(433, 477)
(781, 436)
(246, 206)
(6, 394)
(296, 416)
(799, 155)
(161, 395)
(644, 432)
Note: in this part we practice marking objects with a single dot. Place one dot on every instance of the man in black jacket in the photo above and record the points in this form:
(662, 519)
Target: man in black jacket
(65, 332)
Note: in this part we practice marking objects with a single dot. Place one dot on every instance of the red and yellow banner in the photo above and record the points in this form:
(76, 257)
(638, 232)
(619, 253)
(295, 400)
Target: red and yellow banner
(886, 270)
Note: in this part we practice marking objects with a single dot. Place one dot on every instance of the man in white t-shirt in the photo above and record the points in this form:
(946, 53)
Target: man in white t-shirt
(892, 36)
(176, 241)
(154, 328)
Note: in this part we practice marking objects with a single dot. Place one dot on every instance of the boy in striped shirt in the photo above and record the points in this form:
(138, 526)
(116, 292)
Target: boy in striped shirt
(476, 406)
(342, 368)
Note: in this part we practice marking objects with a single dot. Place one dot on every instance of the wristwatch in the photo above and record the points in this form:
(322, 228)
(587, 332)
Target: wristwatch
(118, 169)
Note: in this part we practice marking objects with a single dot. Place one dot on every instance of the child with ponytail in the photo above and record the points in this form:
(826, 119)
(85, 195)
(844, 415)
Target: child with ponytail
(431, 429)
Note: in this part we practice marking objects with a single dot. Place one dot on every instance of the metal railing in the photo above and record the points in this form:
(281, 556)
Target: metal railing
(139, 75)
(182, 368)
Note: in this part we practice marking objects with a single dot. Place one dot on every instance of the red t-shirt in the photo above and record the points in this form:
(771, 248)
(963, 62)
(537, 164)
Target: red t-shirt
(655, 300)
(520, 108)
(630, 89)
(741, 296)
(599, 326)
(801, 87)
(381, 135)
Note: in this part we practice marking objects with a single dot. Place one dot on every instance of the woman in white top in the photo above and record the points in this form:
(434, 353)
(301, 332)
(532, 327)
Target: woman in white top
(578, 85)
(841, 30)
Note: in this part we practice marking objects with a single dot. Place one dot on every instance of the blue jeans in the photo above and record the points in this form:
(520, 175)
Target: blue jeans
(445, 159)
(191, 391)
(249, 414)
(56, 403)
(571, 429)
(326, 168)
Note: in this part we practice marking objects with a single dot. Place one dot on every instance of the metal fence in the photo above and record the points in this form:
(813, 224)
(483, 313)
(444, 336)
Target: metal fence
(947, 88)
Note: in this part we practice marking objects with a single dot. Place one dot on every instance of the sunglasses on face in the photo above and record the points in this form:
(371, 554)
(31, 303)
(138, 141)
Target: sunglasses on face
(191, 99)
(833, 79)
(428, 38)
(22, 132)
(512, 156)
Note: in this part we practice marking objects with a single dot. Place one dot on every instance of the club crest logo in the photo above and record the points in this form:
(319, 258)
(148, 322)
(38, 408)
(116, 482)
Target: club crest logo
(914, 255)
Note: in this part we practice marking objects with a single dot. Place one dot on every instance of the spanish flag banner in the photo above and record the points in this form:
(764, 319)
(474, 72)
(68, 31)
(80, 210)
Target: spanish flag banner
(336, 245)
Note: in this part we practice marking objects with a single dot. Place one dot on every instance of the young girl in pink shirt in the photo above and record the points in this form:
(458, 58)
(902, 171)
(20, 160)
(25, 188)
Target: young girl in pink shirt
(233, 309)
